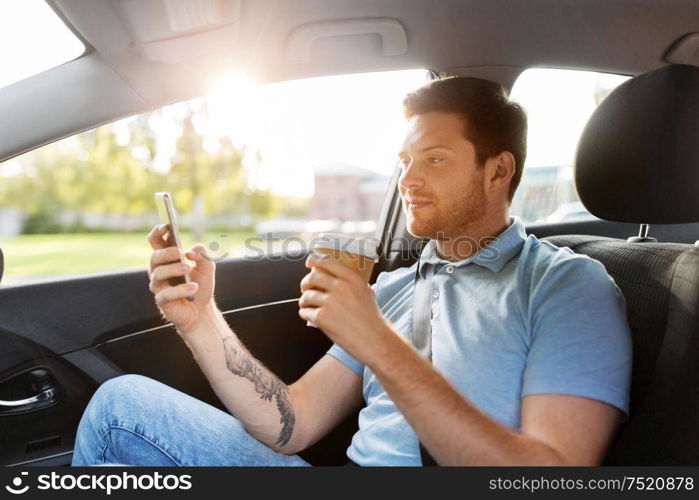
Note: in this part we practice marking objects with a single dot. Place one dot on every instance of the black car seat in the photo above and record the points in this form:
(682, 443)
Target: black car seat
(638, 161)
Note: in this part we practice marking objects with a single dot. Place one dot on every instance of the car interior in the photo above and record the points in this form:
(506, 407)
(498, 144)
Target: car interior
(635, 169)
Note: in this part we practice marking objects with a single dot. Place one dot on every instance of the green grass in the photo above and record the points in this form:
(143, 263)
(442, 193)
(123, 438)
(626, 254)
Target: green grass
(85, 253)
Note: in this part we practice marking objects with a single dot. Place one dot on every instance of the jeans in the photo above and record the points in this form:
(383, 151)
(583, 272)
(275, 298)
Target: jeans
(135, 420)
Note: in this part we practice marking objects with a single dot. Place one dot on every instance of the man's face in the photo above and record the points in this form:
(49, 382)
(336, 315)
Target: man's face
(442, 186)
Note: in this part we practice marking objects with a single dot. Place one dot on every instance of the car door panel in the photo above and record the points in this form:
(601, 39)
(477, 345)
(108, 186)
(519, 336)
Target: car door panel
(49, 431)
(63, 316)
(90, 329)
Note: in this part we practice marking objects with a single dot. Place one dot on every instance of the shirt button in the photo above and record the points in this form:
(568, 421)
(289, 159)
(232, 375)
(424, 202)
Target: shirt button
(435, 294)
(450, 269)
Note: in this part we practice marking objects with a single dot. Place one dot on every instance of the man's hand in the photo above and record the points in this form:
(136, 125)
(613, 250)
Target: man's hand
(172, 300)
(339, 302)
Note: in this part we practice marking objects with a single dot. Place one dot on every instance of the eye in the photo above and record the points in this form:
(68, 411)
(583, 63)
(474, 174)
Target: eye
(434, 160)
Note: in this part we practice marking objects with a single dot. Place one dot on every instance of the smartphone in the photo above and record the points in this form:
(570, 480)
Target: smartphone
(166, 211)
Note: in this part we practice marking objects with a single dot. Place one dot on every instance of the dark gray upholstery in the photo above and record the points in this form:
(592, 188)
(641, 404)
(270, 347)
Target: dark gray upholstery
(660, 282)
(637, 156)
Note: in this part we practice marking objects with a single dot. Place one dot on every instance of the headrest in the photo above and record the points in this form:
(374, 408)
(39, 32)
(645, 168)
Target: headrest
(638, 156)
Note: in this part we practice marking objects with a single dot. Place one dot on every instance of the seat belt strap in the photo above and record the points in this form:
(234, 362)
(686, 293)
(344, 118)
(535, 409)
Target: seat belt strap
(422, 329)
(422, 312)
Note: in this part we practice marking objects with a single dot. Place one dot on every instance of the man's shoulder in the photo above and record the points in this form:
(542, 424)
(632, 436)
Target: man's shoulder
(551, 265)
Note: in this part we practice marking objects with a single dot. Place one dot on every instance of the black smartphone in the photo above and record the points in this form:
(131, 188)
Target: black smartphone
(166, 211)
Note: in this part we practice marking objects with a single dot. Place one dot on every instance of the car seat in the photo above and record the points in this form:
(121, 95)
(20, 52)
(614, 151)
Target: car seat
(638, 161)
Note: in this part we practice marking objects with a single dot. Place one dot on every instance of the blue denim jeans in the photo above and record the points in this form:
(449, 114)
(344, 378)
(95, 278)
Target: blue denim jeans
(135, 420)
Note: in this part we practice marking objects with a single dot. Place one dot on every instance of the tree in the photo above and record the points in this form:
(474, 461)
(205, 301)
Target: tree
(94, 172)
(204, 182)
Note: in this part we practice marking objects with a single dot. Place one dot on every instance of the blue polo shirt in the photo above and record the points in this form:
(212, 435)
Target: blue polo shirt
(520, 317)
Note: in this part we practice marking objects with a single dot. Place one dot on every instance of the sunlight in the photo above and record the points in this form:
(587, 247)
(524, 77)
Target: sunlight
(290, 128)
(231, 106)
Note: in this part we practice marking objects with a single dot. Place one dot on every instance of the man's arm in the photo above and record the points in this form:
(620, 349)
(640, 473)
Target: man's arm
(287, 418)
(555, 429)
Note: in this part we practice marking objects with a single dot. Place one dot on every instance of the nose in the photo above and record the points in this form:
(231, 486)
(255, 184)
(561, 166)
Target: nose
(411, 177)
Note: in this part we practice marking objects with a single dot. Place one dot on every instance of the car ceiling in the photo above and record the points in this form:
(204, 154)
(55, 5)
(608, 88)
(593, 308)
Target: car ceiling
(143, 54)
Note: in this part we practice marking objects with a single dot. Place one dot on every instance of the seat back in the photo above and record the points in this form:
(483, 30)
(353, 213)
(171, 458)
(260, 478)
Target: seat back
(660, 282)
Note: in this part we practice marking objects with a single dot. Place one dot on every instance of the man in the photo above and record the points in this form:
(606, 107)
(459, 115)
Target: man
(530, 350)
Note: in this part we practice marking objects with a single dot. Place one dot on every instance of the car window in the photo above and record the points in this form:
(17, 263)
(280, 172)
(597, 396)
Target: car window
(558, 104)
(252, 169)
(44, 39)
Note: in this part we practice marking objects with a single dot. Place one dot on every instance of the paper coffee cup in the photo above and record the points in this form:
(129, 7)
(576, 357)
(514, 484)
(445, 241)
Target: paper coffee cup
(359, 254)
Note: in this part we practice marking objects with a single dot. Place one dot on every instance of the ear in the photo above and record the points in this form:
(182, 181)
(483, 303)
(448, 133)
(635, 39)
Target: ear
(501, 169)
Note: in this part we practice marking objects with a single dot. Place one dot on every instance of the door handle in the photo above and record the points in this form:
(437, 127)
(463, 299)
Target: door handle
(31, 390)
(43, 396)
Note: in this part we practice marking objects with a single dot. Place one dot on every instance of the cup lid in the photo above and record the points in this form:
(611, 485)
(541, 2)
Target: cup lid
(345, 243)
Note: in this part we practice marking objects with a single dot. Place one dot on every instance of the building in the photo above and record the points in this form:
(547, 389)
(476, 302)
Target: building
(347, 193)
(542, 190)
(11, 221)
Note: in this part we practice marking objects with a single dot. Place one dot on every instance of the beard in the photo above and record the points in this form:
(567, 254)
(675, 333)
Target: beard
(452, 219)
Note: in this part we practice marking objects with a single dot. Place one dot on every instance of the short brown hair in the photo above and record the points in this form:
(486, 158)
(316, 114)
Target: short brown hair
(492, 122)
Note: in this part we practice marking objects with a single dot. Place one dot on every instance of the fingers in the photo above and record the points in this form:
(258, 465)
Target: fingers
(203, 262)
(161, 273)
(166, 255)
(330, 265)
(156, 236)
(318, 279)
(309, 314)
(313, 298)
(310, 303)
(170, 293)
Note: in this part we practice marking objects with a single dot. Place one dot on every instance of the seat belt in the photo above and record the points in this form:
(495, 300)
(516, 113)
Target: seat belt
(422, 330)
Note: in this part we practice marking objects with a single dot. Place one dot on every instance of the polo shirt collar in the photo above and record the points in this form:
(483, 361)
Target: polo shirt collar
(493, 256)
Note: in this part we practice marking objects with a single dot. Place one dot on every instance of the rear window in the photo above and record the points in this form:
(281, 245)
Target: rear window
(558, 103)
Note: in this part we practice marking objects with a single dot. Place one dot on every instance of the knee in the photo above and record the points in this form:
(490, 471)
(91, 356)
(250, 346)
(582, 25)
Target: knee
(125, 400)
(130, 383)
(117, 395)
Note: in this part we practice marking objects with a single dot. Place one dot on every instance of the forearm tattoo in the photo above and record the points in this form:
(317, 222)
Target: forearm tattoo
(266, 385)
